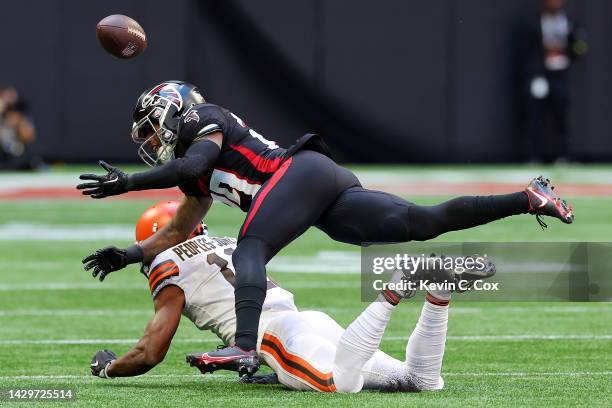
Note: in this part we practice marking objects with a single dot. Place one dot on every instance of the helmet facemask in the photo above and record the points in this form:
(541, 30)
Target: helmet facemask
(156, 119)
(157, 142)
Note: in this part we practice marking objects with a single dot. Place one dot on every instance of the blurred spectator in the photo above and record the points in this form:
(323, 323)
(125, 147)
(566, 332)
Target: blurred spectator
(17, 132)
(552, 43)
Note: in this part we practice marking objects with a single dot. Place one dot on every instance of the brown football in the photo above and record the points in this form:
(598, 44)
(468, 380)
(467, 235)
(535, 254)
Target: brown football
(121, 36)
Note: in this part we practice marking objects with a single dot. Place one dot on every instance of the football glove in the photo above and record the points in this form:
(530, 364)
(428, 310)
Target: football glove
(100, 363)
(269, 379)
(110, 259)
(113, 183)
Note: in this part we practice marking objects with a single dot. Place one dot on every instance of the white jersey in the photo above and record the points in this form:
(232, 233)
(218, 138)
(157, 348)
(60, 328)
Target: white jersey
(202, 267)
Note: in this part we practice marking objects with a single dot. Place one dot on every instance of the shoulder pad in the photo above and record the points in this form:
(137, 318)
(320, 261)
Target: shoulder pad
(201, 120)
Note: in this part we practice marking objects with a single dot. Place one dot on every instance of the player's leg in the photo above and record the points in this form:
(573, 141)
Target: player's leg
(319, 336)
(359, 364)
(385, 373)
(313, 337)
(424, 354)
(361, 215)
(360, 341)
(425, 348)
(290, 202)
(300, 348)
(286, 206)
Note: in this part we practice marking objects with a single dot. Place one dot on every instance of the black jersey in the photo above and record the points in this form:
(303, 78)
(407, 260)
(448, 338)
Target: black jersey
(246, 161)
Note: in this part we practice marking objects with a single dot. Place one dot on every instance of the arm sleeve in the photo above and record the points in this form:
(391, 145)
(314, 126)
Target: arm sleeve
(198, 159)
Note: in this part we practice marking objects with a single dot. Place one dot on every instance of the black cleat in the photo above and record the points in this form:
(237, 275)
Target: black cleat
(465, 281)
(231, 358)
(404, 283)
(269, 379)
(544, 201)
(397, 288)
(460, 282)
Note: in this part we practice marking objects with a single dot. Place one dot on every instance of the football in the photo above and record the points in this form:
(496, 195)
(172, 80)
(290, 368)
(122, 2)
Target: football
(121, 36)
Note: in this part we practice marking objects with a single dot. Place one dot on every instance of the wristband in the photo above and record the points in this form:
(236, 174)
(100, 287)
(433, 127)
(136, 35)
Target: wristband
(134, 254)
(106, 375)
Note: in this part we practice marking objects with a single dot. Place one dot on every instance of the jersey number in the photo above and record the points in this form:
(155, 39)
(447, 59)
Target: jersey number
(214, 259)
(229, 189)
(271, 145)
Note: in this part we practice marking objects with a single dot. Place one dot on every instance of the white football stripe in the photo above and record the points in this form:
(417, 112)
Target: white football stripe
(528, 374)
(21, 231)
(74, 312)
(332, 310)
(52, 286)
(517, 337)
(232, 378)
(578, 174)
(323, 262)
(96, 341)
(91, 377)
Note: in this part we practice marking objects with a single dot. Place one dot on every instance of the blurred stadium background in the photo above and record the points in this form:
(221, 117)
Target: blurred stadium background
(426, 99)
(426, 81)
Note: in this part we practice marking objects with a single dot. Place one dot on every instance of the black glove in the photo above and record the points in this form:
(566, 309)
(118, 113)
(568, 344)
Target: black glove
(113, 183)
(100, 363)
(110, 259)
(269, 379)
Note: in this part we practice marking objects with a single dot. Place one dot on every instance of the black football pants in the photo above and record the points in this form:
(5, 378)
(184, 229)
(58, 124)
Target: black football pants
(311, 189)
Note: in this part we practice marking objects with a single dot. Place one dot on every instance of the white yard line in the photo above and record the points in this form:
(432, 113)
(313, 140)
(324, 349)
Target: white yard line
(74, 312)
(535, 337)
(307, 265)
(518, 337)
(323, 262)
(96, 341)
(521, 176)
(88, 378)
(68, 286)
(21, 231)
(456, 309)
(9, 287)
(575, 174)
(529, 374)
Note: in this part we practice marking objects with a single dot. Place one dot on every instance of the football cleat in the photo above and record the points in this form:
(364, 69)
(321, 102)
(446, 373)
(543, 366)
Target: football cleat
(269, 379)
(468, 277)
(461, 281)
(231, 358)
(403, 284)
(544, 201)
(397, 288)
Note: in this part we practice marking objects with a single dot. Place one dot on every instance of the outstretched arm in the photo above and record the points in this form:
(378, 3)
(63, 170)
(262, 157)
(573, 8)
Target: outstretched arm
(189, 214)
(199, 158)
(153, 346)
(109, 259)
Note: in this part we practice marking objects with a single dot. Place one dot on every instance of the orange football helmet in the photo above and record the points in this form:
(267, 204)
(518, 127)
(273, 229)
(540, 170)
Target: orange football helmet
(157, 216)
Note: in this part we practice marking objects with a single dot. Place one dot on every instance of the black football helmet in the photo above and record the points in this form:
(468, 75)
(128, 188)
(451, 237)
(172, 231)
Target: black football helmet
(156, 118)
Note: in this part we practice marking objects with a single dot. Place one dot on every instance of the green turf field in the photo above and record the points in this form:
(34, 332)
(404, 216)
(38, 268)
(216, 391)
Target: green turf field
(54, 316)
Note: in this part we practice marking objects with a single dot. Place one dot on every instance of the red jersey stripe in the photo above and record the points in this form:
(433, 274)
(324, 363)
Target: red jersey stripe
(260, 163)
(264, 192)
